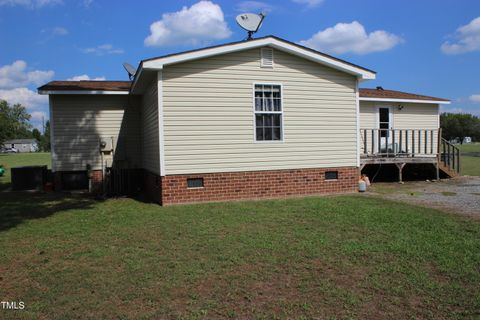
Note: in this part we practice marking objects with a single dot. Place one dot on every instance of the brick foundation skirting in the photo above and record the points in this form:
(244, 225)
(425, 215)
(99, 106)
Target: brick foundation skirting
(257, 184)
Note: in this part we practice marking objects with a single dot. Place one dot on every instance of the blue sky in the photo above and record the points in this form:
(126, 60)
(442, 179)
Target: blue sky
(426, 47)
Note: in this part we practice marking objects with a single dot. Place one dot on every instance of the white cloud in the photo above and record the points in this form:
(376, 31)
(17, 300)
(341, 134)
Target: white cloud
(475, 98)
(467, 39)
(254, 6)
(26, 97)
(86, 3)
(30, 4)
(351, 37)
(59, 31)
(201, 23)
(309, 3)
(103, 49)
(16, 75)
(85, 77)
(38, 115)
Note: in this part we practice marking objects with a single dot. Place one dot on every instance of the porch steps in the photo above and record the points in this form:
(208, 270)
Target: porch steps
(445, 169)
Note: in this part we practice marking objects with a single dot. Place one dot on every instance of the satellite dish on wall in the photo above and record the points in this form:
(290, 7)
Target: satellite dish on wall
(130, 70)
(251, 22)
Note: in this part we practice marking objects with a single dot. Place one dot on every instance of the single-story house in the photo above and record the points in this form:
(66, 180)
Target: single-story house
(22, 145)
(250, 119)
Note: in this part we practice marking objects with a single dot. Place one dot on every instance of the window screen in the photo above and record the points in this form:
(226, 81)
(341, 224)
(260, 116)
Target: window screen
(268, 112)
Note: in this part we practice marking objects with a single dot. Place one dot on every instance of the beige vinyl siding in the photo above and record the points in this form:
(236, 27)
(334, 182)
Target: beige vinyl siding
(150, 133)
(209, 119)
(418, 116)
(368, 115)
(412, 116)
(79, 121)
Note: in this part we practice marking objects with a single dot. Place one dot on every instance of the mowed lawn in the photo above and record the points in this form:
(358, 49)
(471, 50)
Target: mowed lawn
(470, 159)
(344, 257)
(9, 160)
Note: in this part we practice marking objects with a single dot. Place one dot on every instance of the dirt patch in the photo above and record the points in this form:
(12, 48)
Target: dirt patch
(458, 195)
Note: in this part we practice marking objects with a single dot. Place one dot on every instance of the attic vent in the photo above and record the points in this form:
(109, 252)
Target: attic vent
(267, 57)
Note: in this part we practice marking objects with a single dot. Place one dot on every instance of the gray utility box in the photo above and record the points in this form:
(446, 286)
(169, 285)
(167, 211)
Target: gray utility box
(29, 178)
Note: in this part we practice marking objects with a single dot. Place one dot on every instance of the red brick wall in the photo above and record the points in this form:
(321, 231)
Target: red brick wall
(97, 181)
(257, 184)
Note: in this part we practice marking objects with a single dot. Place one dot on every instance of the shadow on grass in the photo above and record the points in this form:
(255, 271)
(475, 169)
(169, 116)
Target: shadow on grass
(5, 185)
(17, 207)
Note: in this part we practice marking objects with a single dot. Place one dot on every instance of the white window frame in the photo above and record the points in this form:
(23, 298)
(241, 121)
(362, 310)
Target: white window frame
(282, 129)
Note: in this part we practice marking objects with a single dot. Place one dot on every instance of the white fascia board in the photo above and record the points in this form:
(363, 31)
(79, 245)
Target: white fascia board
(404, 100)
(280, 45)
(82, 92)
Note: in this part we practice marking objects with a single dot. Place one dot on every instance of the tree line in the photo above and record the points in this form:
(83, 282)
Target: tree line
(460, 125)
(14, 124)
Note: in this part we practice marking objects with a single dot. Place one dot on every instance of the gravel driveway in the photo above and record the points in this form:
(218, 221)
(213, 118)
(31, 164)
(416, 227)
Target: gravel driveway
(460, 195)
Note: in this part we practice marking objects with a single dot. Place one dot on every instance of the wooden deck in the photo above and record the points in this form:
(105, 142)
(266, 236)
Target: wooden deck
(405, 146)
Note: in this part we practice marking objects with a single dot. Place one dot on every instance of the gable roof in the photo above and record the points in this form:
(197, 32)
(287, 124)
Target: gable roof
(252, 42)
(381, 94)
(283, 45)
(86, 87)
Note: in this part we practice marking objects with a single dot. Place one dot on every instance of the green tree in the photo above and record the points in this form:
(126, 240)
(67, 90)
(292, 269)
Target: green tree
(36, 134)
(14, 121)
(45, 138)
(460, 125)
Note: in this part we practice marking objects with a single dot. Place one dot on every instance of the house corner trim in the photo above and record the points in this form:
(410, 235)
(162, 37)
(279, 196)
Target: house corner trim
(161, 139)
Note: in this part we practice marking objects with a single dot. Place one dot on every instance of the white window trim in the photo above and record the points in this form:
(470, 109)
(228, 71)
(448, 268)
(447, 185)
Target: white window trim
(377, 120)
(282, 131)
(391, 115)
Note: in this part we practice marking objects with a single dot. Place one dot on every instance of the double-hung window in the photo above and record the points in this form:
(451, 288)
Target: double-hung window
(268, 112)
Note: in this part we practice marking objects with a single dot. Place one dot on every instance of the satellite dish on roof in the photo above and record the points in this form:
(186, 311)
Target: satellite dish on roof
(250, 22)
(130, 70)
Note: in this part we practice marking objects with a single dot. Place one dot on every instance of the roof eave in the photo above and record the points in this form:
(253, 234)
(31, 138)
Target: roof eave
(404, 100)
(84, 92)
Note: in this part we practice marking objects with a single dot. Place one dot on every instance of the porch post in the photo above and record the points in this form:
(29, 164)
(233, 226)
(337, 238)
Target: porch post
(400, 169)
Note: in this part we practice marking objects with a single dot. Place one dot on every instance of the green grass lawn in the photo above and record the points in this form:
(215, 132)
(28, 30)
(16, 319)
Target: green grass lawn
(10, 160)
(320, 257)
(470, 166)
(470, 159)
(469, 147)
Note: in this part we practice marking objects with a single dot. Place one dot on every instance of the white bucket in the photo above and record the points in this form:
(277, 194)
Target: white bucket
(362, 186)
